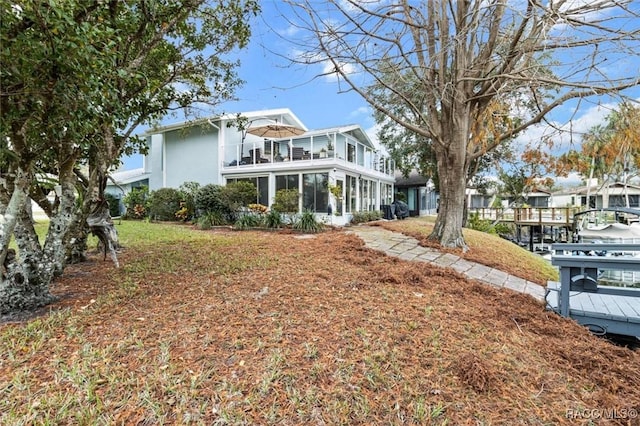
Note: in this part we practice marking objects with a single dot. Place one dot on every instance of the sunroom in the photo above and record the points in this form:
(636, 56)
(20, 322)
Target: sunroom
(337, 171)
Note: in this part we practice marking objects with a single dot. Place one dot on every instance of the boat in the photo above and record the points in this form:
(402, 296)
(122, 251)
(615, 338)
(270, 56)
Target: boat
(607, 225)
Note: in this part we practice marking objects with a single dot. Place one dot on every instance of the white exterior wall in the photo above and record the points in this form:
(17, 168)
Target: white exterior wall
(564, 200)
(195, 161)
(154, 162)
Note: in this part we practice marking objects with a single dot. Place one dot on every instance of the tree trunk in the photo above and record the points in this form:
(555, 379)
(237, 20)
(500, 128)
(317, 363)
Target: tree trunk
(448, 227)
(101, 225)
(452, 172)
(94, 215)
(77, 247)
(28, 276)
(23, 286)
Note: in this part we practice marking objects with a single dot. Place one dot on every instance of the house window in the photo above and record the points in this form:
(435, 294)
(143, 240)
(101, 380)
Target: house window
(315, 192)
(360, 156)
(261, 184)
(621, 201)
(479, 201)
(287, 182)
(271, 147)
(351, 153)
(374, 196)
(340, 146)
(386, 196)
(339, 184)
(350, 195)
(368, 195)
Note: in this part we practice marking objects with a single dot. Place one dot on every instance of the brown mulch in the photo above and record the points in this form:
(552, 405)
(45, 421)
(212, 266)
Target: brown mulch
(322, 330)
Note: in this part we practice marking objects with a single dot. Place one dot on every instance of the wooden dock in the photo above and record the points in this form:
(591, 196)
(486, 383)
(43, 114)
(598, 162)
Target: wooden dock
(578, 295)
(527, 216)
(532, 222)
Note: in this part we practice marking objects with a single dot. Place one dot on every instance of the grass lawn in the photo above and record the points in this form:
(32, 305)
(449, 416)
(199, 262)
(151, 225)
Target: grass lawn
(490, 250)
(222, 327)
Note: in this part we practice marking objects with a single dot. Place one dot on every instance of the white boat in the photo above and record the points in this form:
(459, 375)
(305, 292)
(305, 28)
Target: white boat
(612, 225)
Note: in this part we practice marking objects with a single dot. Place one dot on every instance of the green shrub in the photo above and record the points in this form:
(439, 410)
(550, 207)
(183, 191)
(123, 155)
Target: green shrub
(239, 194)
(188, 191)
(366, 216)
(273, 219)
(209, 220)
(248, 220)
(226, 200)
(286, 201)
(357, 217)
(307, 222)
(503, 229)
(114, 204)
(375, 215)
(135, 203)
(164, 203)
(483, 225)
(208, 199)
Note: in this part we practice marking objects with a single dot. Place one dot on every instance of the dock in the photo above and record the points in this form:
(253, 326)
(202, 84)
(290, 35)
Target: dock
(603, 309)
(532, 222)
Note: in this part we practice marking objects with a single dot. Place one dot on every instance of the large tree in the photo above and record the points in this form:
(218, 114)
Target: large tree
(77, 77)
(463, 56)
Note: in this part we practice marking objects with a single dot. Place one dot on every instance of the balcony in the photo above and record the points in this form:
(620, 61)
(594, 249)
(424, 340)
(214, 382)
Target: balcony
(271, 155)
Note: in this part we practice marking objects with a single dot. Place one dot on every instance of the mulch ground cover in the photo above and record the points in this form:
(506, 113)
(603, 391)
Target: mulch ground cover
(276, 328)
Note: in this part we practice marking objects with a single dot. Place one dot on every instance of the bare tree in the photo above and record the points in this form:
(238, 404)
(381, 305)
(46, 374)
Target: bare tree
(467, 57)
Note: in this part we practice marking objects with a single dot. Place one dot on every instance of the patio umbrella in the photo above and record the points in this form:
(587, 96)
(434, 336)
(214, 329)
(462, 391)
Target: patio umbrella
(275, 131)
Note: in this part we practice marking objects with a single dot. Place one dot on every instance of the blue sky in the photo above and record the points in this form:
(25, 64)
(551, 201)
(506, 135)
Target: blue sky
(271, 81)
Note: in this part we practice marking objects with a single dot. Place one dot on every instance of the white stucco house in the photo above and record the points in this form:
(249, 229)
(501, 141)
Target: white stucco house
(610, 195)
(214, 151)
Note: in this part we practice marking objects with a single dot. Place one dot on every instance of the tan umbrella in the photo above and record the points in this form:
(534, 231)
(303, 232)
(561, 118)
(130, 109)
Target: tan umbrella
(275, 131)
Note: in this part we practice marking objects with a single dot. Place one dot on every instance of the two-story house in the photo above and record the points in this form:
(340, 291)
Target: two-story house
(337, 171)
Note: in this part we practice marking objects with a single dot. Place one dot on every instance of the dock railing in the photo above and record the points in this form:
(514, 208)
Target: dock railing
(580, 266)
(528, 215)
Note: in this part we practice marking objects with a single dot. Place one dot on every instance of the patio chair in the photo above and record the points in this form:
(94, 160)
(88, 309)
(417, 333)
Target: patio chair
(296, 152)
(255, 155)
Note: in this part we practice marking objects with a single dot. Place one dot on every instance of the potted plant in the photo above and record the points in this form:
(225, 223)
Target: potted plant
(330, 149)
(323, 152)
(336, 191)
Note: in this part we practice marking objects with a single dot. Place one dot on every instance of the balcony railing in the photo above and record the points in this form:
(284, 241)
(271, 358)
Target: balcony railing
(268, 154)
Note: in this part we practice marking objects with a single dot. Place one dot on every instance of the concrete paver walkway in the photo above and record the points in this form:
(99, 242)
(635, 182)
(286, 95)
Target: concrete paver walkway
(408, 248)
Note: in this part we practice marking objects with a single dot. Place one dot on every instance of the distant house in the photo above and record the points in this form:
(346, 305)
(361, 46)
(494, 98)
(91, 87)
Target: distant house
(612, 195)
(535, 198)
(121, 183)
(419, 192)
(479, 199)
(214, 151)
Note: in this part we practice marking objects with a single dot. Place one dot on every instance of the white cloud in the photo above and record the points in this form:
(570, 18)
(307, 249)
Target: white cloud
(370, 4)
(289, 32)
(565, 135)
(572, 179)
(330, 73)
(372, 132)
(361, 111)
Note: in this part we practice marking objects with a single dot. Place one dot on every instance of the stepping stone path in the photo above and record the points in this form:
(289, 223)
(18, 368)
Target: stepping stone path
(407, 248)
